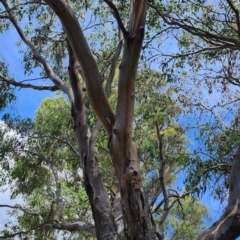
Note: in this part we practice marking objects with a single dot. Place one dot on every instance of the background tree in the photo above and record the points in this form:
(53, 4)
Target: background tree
(47, 174)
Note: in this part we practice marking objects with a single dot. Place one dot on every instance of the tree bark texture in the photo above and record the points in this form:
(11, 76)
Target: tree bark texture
(100, 204)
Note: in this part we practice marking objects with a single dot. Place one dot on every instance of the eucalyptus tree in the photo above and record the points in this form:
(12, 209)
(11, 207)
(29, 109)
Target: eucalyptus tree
(208, 36)
(49, 32)
(118, 126)
(45, 171)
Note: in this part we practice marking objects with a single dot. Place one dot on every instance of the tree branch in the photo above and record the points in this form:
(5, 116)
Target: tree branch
(89, 67)
(37, 56)
(94, 186)
(117, 16)
(4, 17)
(228, 226)
(75, 226)
(26, 85)
(162, 168)
(222, 167)
(137, 16)
(59, 139)
(113, 68)
(27, 211)
(25, 232)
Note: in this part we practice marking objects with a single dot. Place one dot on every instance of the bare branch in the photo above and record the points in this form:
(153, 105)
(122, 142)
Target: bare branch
(223, 167)
(75, 226)
(214, 113)
(162, 168)
(92, 178)
(176, 195)
(113, 68)
(117, 16)
(37, 56)
(137, 16)
(27, 211)
(196, 52)
(228, 225)
(26, 85)
(61, 140)
(108, 86)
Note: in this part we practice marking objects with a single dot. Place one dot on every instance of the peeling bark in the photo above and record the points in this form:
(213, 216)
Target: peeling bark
(93, 81)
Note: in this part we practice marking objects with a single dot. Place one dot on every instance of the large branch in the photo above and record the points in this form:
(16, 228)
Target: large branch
(89, 67)
(228, 226)
(74, 226)
(113, 68)
(77, 226)
(37, 56)
(122, 132)
(117, 16)
(27, 85)
(21, 208)
(161, 176)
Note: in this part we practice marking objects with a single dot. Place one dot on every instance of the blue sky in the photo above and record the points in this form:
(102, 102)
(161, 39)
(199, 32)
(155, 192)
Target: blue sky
(28, 100)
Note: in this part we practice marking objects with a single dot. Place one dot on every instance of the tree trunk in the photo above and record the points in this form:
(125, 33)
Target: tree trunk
(228, 227)
(101, 208)
(136, 215)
